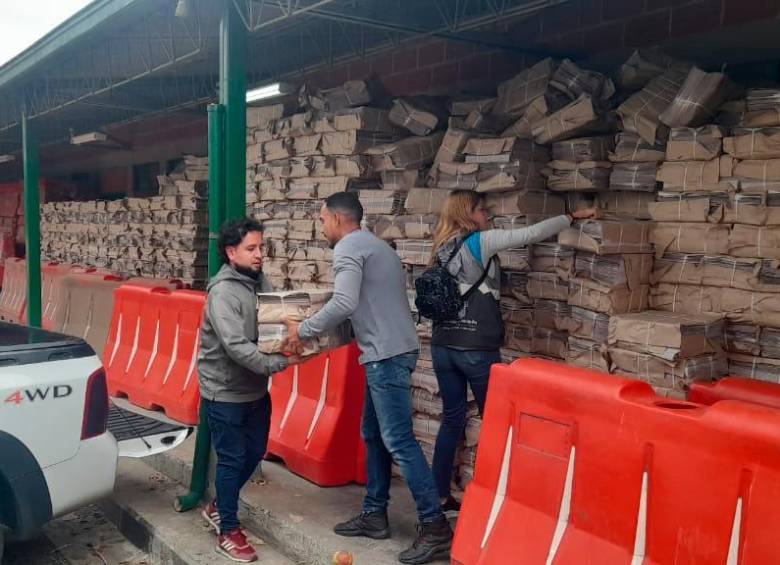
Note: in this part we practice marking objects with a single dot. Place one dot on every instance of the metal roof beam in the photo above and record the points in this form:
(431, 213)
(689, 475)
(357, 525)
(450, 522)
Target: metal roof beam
(156, 42)
(456, 26)
(260, 14)
(74, 28)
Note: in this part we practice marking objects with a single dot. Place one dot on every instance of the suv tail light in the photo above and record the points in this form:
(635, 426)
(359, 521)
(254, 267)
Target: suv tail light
(96, 406)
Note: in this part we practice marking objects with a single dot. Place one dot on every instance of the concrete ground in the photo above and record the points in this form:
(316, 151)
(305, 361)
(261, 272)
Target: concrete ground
(142, 510)
(84, 537)
(293, 517)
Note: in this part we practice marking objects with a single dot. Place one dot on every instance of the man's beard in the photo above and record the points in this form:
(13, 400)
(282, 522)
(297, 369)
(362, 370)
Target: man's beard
(332, 241)
(254, 275)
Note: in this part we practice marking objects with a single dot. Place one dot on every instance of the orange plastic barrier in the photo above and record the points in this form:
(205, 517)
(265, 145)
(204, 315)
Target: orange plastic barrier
(578, 467)
(7, 244)
(13, 296)
(736, 388)
(51, 293)
(315, 423)
(84, 303)
(152, 349)
(85, 311)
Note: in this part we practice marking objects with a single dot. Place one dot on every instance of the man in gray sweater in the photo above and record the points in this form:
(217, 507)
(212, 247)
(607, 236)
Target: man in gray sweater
(233, 377)
(370, 290)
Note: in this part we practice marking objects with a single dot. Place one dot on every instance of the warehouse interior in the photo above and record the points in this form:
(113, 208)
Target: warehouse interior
(682, 239)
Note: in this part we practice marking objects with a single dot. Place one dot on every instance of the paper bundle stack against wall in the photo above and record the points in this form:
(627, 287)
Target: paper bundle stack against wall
(599, 268)
(162, 237)
(610, 265)
(641, 142)
(632, 183)
(581, 165)
(297, 160)
(610, 275)
(668, 351)
(718, 231)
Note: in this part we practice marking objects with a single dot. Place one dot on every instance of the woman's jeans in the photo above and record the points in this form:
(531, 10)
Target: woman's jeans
(455, 369)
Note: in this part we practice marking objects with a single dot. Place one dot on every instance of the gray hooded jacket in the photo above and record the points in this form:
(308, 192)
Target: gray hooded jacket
(230, 368)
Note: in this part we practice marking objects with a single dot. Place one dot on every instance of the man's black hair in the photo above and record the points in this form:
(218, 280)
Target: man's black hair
(346, 203)
(233, 232)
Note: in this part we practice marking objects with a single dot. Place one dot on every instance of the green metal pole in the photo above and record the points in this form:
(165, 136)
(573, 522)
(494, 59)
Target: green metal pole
(232, 95)
(216, 114)
(227, 172)
(200, 461)
(32, 221)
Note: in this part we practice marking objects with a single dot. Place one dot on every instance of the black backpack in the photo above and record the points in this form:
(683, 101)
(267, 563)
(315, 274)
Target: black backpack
(438, 294)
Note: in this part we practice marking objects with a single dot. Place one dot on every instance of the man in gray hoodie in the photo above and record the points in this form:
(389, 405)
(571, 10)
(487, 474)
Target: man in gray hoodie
(233, 377)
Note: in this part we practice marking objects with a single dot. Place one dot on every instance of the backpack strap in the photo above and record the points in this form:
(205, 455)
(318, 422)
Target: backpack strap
(482, 278)
(458, 245)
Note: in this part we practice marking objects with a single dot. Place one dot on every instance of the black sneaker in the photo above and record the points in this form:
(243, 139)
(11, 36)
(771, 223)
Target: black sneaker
(451, 507)
(372, 525)
(434, 541)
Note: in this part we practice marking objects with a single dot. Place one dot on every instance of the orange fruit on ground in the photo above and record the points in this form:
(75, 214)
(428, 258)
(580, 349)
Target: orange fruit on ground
(342, 558)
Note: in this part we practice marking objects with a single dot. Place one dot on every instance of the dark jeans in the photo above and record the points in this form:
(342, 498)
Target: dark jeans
(239, 434)
(387, 431)
(454, 369)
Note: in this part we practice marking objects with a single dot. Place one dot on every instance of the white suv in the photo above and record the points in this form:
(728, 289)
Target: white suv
(56, 450)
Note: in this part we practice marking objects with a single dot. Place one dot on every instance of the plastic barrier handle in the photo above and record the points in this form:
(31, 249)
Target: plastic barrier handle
(161, 290)
(679, 405)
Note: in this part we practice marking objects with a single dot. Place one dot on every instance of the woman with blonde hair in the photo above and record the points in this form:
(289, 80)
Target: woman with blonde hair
(464, 348)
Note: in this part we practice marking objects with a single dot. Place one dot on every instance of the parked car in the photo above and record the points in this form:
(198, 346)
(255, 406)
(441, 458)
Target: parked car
(60, 436)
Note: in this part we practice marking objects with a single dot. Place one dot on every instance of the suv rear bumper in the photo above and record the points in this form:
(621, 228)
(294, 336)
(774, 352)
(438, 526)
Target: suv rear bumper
(84, 478)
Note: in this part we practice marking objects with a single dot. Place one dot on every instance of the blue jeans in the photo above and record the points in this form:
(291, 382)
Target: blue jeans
(387, 431)
(239, 434)
(454, 370)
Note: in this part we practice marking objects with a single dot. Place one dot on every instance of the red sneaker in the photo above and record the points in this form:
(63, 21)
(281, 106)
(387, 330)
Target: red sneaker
(233, 545)
(211, 515)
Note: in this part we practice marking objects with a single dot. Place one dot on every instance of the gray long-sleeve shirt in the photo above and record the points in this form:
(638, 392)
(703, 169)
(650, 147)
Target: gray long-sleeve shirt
(370, 291)
(478, 249)
(477, 329)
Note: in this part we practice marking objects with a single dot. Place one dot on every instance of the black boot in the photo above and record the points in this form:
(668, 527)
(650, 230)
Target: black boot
(434, 541)
(372, 525)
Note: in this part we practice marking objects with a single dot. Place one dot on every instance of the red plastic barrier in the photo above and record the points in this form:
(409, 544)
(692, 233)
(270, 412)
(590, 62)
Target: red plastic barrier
(577, 467)
(736, 388)
(315, 423)
(152, 348)
(13, 297)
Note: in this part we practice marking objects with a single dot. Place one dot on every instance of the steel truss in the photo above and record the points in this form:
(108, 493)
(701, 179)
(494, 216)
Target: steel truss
(146, 67)
(162, 63)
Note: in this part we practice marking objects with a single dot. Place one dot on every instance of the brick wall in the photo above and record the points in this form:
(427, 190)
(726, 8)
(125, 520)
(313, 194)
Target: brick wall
(578, 27)
(433, 66)
(595, 26)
